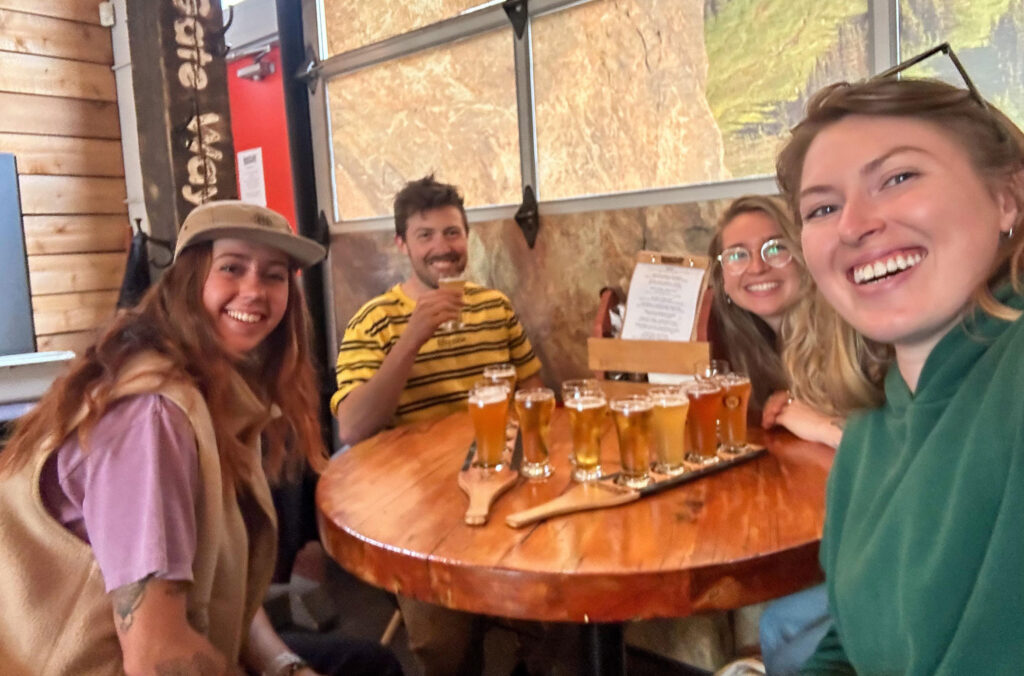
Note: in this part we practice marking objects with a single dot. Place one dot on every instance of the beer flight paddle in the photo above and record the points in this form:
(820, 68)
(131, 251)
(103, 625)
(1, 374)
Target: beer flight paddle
(607, 493)
(483, 485)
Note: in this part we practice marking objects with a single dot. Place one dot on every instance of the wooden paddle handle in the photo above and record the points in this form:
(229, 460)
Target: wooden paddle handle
(577, 499)
(483, 491)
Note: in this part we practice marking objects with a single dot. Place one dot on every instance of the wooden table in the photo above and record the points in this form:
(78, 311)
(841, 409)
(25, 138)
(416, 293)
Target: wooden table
(391, 513)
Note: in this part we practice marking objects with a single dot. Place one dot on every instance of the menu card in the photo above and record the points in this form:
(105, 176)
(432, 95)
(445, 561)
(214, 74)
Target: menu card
(662, 302)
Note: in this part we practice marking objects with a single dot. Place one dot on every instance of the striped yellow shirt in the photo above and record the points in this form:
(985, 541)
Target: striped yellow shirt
(447, 364)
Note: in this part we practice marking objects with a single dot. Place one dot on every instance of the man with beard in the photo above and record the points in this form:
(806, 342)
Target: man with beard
(396, 365)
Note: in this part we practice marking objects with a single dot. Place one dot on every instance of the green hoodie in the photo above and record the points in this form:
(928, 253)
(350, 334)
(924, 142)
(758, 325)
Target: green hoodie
(923, 547)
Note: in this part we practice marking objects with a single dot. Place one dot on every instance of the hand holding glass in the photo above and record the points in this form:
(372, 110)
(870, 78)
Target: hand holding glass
(457, 283)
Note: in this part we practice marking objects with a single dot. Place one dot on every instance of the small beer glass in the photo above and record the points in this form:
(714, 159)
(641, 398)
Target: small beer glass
(502, 373)
(735, 398)
(632, 417)
(488, 407)
(702, 420)
(711, 370)
(587, 407)
(668, 423)
(457, 282)
(534, 407)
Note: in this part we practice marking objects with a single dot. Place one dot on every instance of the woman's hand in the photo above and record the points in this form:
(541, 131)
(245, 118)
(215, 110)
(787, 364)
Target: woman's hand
(801, 419)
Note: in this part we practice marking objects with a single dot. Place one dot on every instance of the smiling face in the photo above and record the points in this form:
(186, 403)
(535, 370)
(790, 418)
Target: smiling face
(898, 227)
(245, 293)
(761, 289)
(436, 242)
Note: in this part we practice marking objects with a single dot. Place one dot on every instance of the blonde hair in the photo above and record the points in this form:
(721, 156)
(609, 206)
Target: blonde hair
(753, 347)
(829, 362)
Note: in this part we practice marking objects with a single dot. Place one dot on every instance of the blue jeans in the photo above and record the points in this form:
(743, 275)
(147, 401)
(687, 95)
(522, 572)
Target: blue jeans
(791, 628)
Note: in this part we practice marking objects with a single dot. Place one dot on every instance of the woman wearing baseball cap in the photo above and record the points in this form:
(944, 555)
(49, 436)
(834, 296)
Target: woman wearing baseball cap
(139, 533)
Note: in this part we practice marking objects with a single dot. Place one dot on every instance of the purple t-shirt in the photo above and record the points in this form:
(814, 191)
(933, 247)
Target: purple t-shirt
(132, 495)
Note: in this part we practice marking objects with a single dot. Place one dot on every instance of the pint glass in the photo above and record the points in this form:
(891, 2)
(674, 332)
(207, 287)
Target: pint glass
(488, 407)
(632, 417)
(502, 373)
(533, 408)
(668, 433)
(458, 283)
(735, 397)
(587, 408)
(702, 420)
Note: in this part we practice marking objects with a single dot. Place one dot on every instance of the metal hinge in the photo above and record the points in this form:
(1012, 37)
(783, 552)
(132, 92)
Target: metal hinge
(310, 71)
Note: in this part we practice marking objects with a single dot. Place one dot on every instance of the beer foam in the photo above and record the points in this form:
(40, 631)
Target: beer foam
(488, 395)
(584, 403)
(534, 395)
(630, 405)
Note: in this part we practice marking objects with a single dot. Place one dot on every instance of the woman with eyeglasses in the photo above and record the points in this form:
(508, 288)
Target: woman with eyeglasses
(910, 196)
(756, 284)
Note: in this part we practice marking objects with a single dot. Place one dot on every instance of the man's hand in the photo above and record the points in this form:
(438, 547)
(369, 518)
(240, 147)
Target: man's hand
(433, 309)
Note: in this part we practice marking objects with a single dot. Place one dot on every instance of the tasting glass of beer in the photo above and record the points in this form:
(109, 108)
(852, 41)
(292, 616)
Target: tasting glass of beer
(488, 407)
(702, 420)
(735, 398)
(668, 428)
(587, 406)
(711, 370)
(457, 282)
(534, 407)
(632, 417)
(502, 373)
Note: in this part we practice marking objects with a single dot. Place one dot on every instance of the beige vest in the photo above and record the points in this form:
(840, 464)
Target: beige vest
(55, 615)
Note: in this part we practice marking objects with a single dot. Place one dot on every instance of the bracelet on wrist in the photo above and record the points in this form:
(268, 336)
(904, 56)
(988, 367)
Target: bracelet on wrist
(285, 664)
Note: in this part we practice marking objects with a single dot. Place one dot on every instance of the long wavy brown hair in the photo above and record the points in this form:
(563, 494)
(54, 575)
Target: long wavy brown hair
(830, 363)
(741, 336)
(171, 321)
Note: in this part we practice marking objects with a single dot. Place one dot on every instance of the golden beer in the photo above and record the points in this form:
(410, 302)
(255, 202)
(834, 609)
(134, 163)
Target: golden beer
(702, 419)
(534, 408)
(488, 407)
(458, 284)
(735, 398)
(502, 373)
(668, 434)
(632, 417)
(586, 418)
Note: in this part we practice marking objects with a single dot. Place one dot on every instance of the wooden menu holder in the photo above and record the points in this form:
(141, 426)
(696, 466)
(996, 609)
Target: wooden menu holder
(647, 356)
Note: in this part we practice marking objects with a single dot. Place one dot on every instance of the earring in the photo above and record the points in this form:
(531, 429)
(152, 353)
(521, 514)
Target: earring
(728, 299)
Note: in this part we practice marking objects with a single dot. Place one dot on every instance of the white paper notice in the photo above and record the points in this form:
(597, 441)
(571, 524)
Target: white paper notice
(662, 302)
(251, 186)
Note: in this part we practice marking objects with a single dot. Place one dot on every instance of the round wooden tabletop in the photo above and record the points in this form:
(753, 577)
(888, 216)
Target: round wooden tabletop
(391, 513)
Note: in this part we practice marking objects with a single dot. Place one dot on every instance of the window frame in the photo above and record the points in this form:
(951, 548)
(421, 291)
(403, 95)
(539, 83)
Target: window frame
(883, 40)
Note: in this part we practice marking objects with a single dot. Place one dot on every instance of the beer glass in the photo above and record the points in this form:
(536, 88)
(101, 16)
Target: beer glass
(488, 407)
(711, 370)
(632, 417)
(502, 373)
(702, 420)
(668, 422)
(534, 407)
(570, 387)
(587, 408)
(457, 282)
(735, 398)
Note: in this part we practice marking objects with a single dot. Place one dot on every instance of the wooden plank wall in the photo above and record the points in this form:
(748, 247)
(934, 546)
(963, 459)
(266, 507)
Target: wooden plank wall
(60, 120)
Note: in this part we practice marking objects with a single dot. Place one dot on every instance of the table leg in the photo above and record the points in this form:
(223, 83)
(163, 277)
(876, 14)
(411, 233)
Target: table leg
(604, 649)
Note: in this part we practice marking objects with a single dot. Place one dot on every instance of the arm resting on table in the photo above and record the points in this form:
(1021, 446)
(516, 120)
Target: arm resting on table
(155, 635)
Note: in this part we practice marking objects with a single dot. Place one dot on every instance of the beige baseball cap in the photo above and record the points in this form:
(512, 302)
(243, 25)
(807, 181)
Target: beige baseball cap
(236, 219)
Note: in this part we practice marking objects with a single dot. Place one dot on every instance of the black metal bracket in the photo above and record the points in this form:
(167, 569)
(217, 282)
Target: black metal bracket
(527, 216)
(517, 12)
(310, 70)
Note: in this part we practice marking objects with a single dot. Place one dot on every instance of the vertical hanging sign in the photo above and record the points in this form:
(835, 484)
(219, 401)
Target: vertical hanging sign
(202, 153)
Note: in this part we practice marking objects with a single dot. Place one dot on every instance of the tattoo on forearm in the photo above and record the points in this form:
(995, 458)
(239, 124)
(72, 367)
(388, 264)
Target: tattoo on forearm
(127, 600)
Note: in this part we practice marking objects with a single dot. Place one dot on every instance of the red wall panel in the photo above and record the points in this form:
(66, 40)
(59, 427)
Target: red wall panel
(258, 121)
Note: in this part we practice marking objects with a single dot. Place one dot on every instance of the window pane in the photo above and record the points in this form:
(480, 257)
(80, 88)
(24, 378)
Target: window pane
(355, 23)
(646, 94)
(988, 38)
(450, 110)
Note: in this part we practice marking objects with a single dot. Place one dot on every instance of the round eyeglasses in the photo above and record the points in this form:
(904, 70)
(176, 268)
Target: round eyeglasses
(736, 259)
